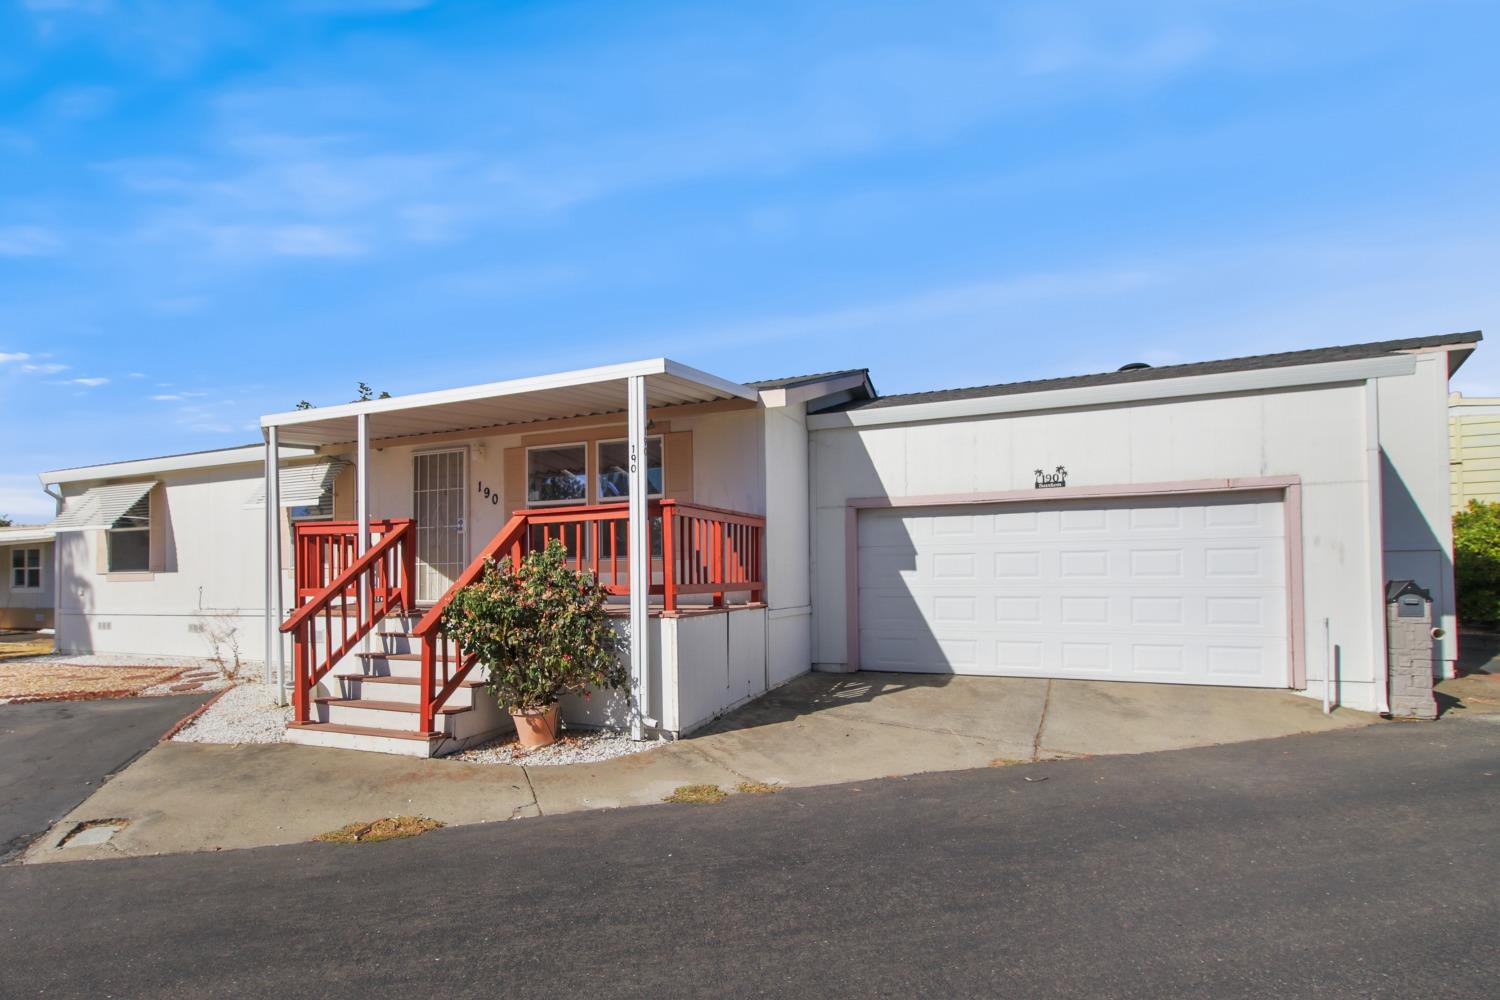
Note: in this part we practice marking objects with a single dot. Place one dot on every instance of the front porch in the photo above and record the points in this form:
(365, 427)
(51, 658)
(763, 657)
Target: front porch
(369, 665)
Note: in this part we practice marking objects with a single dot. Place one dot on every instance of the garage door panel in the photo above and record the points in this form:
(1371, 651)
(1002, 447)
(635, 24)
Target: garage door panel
(1193, 592)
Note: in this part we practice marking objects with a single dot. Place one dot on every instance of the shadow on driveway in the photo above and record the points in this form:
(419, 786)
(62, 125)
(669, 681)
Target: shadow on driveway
(53, 755)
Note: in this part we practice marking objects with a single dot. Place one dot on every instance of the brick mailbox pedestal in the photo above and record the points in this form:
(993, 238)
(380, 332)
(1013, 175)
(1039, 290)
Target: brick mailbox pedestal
(1409, 636)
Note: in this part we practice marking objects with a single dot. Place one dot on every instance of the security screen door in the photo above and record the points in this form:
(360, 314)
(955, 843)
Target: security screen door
(438, 498)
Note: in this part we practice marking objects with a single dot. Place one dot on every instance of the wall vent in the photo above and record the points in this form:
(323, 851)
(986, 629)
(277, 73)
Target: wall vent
(196, 627)
(103, 626)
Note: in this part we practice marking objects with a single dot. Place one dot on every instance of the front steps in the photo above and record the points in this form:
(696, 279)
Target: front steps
(372, 700)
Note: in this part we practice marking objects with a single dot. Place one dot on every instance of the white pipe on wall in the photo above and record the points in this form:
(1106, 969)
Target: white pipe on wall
(640, 561)
(275, 662)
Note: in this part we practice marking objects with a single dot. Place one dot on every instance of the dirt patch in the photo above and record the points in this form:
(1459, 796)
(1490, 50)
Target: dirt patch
(33, 681)
(390, 828)
(757, 788)
(699, 795)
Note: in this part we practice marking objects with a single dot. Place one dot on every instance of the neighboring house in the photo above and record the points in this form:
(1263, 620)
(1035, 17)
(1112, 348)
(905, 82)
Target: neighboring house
(1227, 523)
(26, 591)
(1474, 440)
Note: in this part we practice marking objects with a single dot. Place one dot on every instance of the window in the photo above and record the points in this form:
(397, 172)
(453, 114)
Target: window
(556, 474)
(129, 539)
(614, 469)
(320, 511)
(26, 569)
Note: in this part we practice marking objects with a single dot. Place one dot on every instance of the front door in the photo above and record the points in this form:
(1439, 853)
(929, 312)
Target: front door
(438, 499)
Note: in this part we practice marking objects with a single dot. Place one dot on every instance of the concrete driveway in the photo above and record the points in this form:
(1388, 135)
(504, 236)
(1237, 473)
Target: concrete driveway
(820, 729)
(53, 755)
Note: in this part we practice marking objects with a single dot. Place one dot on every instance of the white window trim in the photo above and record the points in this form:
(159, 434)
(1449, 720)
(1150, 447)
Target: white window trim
(598, 479)
(25, 568)
(588, 475)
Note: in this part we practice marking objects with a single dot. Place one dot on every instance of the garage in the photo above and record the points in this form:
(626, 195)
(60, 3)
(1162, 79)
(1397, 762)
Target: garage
(1190, 590)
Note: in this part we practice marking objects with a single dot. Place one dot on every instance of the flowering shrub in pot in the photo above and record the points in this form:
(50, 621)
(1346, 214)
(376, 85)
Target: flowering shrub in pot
(541, 631)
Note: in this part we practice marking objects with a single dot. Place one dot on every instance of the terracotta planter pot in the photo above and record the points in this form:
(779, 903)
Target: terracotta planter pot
(536, 727)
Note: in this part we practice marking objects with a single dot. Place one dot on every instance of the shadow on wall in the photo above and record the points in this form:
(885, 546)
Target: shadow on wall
(76, 581)
(1413, 549)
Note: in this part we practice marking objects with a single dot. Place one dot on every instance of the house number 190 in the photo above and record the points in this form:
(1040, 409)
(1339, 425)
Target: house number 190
(489, 494)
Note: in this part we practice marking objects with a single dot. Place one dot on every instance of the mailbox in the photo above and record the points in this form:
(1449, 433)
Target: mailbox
(1409, 639)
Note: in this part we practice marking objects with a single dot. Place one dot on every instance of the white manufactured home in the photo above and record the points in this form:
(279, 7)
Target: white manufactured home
(1224, 523)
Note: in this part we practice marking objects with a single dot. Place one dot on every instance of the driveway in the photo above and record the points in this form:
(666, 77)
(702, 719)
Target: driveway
(55, 754)
(820, 729)
(1340, 865)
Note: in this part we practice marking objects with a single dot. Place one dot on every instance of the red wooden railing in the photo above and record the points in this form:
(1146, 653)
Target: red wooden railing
(322, 550)
(349, 607)
(696, 550)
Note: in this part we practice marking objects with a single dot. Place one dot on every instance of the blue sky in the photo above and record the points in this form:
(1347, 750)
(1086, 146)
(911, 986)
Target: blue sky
(210, 212)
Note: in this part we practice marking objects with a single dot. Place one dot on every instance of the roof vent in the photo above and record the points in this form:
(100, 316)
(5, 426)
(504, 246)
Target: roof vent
(1134, 366)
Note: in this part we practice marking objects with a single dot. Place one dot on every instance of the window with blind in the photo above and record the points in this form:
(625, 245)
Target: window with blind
(129, 539)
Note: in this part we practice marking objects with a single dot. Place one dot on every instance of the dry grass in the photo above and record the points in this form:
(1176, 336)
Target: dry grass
(41, 681)
(390, 828)
(25, 647)
(700, 795)
(757, 788)
(1006, 762)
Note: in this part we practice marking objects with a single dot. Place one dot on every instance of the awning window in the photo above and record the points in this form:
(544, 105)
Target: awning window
(304, 485)
(109, 506)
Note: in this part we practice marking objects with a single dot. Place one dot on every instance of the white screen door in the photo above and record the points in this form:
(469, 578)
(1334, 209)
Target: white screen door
(438, 498)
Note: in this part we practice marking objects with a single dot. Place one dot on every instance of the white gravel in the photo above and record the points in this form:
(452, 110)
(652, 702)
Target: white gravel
(245, 714)
(573, 748)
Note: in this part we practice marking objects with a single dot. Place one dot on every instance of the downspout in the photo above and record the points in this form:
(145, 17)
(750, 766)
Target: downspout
(1376, 580)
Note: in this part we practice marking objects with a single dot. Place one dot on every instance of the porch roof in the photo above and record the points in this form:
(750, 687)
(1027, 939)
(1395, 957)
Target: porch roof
(586, 392)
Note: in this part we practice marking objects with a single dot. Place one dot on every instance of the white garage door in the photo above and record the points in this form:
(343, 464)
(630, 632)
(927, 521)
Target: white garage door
(1147, 590)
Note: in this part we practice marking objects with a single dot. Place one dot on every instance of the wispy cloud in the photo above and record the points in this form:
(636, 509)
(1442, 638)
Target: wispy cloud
(44, 368)
(88, 382)
(9, 357)
(28, 241)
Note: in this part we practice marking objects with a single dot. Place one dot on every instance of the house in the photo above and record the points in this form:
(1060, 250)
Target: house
(1226, 523)
(1474, 442)
(26, 591)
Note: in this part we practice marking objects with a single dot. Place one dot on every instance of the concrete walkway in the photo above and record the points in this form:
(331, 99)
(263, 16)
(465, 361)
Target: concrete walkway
(820, 729)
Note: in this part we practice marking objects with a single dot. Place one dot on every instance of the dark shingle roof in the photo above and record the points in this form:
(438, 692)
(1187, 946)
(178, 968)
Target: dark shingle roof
(787, 383)
(1283, 360)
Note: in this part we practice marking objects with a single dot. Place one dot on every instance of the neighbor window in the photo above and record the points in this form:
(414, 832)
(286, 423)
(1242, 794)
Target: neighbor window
(556, 474)
(26, 569)
(320, 511)
(614, 469)
(129, 539)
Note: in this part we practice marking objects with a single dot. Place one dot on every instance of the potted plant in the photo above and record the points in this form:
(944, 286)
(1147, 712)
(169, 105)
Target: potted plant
(541, 631)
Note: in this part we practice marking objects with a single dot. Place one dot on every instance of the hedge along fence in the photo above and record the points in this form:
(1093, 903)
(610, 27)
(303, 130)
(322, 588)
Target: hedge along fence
(1476, 563)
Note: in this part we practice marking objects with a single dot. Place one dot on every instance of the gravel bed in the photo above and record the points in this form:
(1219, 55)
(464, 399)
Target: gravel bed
(245, 714)
(582, 747)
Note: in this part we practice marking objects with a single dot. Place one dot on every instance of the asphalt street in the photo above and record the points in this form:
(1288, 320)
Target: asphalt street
(55, 754)
(1353, 864)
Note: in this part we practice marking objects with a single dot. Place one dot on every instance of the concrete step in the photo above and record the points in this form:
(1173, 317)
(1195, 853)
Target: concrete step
(392, 664)
(384, 714)
(405, 690)
(405, 743)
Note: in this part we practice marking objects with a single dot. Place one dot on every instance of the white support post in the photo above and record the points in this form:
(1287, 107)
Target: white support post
(362, 504)
(640, 562)
(275, 661)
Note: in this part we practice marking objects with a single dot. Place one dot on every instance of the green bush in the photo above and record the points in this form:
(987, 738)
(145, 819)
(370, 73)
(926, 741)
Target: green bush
(1476, 563)
(540, 628)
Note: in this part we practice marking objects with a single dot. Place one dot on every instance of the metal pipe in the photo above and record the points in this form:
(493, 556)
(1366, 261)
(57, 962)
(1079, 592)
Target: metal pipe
(362, 511)
(274, 657)
(1327, 668)
(640, 561)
